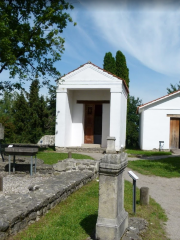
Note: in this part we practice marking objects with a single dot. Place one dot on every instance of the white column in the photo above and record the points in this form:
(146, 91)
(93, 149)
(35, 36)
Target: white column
(61, 105)
(105, 123)
(115, 115)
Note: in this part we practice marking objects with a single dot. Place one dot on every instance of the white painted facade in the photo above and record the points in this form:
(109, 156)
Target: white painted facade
(155, 121)
(90, 83)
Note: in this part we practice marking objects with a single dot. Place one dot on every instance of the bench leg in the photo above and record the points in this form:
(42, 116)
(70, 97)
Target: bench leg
(14, 164)
(35, 164)
(9, 164)
(31, 166)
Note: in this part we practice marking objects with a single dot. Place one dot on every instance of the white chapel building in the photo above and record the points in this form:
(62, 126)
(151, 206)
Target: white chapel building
(91, 104)
(160, 123)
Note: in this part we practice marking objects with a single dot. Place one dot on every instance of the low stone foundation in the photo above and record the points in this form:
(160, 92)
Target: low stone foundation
(80, 149)
(70, 164)
(19, 210)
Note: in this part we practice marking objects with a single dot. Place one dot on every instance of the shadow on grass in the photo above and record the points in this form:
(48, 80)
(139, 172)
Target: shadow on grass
(169, 164)
(89, 224)
(166, 167)
(50, 148)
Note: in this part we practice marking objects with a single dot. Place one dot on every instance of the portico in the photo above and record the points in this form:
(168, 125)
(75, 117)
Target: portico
(91, 105)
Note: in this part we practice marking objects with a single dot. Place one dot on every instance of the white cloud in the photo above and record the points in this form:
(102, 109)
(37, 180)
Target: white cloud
(151, 35)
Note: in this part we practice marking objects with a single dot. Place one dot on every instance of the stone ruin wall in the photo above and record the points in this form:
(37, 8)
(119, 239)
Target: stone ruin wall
(25, 209)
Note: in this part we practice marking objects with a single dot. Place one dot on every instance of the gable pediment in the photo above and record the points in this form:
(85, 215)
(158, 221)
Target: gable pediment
(90, 74)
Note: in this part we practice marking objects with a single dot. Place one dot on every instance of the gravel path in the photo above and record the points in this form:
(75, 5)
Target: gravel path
(166, 192)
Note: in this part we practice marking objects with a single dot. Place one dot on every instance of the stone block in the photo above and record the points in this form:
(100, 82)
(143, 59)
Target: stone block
(81, 167)
(23, 224)
(3, 235)
(111, 145)
(90, 169)
(40, 212)
(60, 166)
(144, 196)
(33, 216)
(3, 225)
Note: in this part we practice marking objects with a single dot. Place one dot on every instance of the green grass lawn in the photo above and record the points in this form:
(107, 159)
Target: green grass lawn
(75, 218)
(54, 157)
(168, 167)
(146, 153)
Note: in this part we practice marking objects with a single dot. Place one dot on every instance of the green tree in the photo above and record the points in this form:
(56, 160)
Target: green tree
(109, 63)
(34, 112)
(6, 115)
(44, 116)
(173, 88)
(21, 118)
(30, 40)
(132, 128)
(51, 105)
(6, 103)
(121, 68)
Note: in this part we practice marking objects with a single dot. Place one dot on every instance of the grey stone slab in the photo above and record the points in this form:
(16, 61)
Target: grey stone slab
(18, 210)
(24, 151)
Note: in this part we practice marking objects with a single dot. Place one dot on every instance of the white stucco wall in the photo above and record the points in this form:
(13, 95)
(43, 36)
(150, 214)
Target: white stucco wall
(61, 106)
(69, 112)
(123, 116)
(118, 111)
(154, 123)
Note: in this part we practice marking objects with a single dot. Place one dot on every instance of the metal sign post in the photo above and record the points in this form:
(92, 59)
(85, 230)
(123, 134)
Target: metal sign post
(134, 177)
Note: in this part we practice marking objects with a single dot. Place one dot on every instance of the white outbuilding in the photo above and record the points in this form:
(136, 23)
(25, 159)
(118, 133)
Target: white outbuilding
(160, 123)
(91, 104)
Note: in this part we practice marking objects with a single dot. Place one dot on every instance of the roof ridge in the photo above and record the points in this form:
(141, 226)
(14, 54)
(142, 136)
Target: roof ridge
(157, 99)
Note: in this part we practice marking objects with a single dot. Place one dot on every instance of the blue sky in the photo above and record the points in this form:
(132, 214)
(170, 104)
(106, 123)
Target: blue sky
(147, 32)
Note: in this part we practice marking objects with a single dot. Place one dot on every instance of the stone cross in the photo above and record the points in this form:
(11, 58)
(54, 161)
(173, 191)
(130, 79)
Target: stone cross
(112, 217)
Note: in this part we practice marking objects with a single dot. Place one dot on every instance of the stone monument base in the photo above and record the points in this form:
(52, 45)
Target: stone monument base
(111, 229)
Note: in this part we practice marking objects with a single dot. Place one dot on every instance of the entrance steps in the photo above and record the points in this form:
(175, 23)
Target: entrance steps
(90, 145)
(176, 151)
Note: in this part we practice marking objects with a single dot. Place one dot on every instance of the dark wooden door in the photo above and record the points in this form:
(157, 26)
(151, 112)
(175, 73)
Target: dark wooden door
(89, 123)
(174, 133)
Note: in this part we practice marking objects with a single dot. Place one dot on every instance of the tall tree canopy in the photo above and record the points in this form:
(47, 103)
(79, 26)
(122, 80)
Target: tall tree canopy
(173, 88)
(109, 63)
(27, 116)
(121, 68)
(117, 65)
(30, 40)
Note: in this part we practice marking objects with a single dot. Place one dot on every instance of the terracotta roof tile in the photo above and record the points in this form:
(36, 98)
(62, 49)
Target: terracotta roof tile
(102, 70)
